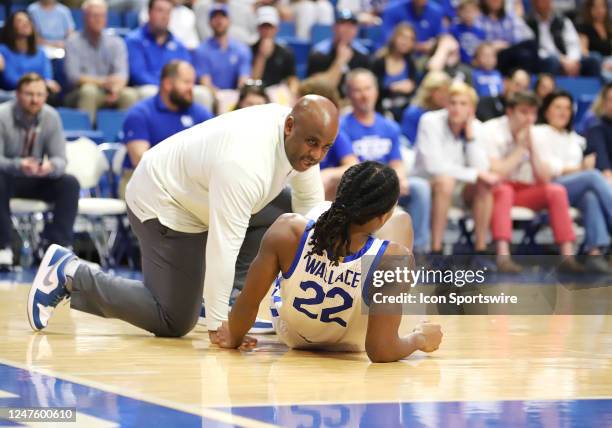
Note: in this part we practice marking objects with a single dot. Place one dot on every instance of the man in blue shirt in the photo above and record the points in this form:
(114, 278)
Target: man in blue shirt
(152, 46)
(425, 16)
(375, 138)
(153, 120)
(53, 22)
(221, 62)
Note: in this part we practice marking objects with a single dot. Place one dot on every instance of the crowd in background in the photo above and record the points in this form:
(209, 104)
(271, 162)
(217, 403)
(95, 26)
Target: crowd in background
(459, 97)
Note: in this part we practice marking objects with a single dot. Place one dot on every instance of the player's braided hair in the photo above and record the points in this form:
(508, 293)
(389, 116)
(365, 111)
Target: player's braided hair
(366, 190)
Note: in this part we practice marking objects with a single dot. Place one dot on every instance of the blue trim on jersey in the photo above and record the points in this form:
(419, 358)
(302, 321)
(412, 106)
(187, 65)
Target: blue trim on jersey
(359, 253)
(373, 266)
(298, 254)
(274, 312)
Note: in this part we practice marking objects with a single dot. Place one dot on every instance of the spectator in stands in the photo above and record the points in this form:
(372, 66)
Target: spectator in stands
(53, 22)
(526, 180)
(465, 30)
(492, 107)
(332, 58)
(595, 31)
(587, 189)
(426, 18)
(599, 135)
(19, 55)
(170, 111)
(376, 138)
(97, 65)
(544, 85)
(488, 81)
(308, 13)
(252, 94)
(395, 71)
(273, 63)
(152, 46)
(449, 61)
(558, 43)
(340, 156)
(511, 37)
(368, 11)
(432, 94)
(222, 62)
(182, 24)
(243, 26)
(451, 156)
(32, 163)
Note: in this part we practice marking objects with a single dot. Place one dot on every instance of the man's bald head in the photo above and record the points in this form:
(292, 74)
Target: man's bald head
(317, 109)
(310, 130)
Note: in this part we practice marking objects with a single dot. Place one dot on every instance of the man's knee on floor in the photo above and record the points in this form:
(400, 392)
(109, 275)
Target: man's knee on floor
(178, 325)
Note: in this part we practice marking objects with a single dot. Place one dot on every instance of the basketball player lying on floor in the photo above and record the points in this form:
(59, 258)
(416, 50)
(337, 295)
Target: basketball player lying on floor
(326, 267)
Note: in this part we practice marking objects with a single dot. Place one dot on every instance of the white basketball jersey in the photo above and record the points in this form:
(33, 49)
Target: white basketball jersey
(318, 305)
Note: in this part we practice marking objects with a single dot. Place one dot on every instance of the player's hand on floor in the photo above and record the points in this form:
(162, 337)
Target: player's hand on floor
(430, 336)
(223, 338)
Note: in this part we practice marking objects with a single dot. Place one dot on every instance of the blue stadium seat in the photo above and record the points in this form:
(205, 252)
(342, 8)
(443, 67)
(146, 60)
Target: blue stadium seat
(286, 29)
(579, 86)
(110, 123)
(130, 19)
(77, 124)
(375, 34)
(300, 50)
(77, 15)
(73, 119)
(114, 19)
(320, 32)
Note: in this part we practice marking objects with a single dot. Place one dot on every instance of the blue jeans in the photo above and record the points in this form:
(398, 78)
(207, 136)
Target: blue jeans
(418, 205)
(590, 192)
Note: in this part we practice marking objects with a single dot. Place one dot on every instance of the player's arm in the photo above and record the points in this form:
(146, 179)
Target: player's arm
(262, 273)
(383, 342)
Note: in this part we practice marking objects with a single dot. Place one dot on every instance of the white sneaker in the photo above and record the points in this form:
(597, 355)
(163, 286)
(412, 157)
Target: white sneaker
(49, 286)
(6, 257)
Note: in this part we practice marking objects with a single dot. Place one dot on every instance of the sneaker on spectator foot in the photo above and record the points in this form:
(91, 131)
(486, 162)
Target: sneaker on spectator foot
(505, 264)
(570, 265)
(49, 286)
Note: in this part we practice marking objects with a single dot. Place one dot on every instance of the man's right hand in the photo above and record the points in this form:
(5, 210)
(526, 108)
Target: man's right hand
(2, 64)
(266, 48)
(488, 178)
(29, 166)
(344, 53)
(430, 336)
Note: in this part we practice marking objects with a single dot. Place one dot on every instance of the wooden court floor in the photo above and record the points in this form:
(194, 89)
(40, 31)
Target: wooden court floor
(486, 365)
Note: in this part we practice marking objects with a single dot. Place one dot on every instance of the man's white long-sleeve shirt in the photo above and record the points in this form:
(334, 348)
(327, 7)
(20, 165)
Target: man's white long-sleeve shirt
(213, 177)
(439, 152)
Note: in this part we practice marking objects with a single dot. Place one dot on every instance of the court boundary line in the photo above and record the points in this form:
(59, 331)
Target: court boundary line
(207, 412)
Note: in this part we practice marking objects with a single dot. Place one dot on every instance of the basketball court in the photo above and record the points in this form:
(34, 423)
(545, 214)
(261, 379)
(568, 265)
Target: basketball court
(491, 370)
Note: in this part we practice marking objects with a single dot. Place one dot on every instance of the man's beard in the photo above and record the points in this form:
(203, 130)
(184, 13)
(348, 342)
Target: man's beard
(182, 103)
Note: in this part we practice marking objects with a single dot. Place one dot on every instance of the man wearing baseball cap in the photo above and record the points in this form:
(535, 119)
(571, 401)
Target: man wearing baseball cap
(222, 62)
(333, 58)
(273, 63)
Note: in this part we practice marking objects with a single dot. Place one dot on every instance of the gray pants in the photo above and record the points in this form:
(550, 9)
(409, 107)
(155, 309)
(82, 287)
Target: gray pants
(167, 303)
